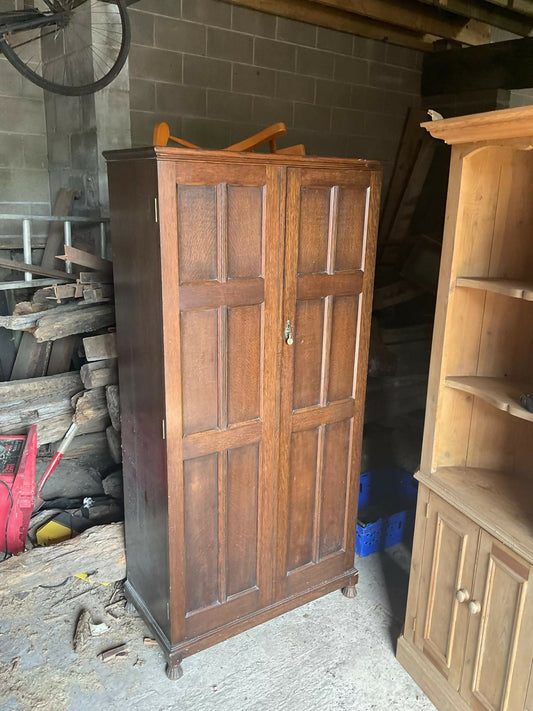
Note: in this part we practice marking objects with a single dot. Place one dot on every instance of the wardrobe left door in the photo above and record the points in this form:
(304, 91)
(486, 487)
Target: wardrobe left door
(220, 226)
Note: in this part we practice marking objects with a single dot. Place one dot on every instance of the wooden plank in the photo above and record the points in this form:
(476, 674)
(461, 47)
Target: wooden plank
(32, 358)
(516, 288)
(91, 406)
(405, 159)
(499, 392)
(502, 65)
(61, 355)
(99, 550)
(495, 16)
(83, 320)
(99, 373)
(402, 221)
(413, 16)
(112, 397)
(36, 269)
(100, 347)
(392, 294)
(85, 259)
(315, 14)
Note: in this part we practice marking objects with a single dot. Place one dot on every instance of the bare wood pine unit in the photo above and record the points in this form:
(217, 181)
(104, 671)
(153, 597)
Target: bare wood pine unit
(469, 623)
(243, 291)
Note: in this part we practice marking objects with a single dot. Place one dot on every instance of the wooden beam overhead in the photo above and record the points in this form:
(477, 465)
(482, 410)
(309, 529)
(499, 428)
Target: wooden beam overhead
(502, 65)
(523, 6)
(414, 16)
(494, 15)
(334, 19)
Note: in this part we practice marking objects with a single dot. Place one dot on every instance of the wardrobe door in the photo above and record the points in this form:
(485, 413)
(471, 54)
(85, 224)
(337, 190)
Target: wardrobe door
(226, 225)
(329, 261)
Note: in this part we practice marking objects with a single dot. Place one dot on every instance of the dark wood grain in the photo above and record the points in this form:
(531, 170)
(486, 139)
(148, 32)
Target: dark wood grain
(262, 438)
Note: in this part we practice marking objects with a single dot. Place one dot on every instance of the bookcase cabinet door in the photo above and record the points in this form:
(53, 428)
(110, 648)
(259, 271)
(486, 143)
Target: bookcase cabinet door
(499, 650)
(447, 577)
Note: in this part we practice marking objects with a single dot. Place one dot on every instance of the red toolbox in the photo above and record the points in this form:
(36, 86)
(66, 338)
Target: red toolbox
(17, 489)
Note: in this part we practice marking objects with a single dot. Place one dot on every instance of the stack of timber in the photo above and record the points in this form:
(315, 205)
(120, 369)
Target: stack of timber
(79, 317)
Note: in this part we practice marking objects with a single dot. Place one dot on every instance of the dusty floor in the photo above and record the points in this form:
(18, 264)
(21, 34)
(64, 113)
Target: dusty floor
(332, 654)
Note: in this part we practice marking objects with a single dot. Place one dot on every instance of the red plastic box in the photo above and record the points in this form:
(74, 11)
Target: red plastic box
(17, 489)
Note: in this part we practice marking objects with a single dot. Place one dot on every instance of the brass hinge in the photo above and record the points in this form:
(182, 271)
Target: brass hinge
(156, 211)
(164, 429)
(427, 510)
(414, 624)
(168, 611)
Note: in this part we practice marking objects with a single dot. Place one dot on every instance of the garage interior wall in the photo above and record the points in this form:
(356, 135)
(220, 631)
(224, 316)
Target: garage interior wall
(217, 73)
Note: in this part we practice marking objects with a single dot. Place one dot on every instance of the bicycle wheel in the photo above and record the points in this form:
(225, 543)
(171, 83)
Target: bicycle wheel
(80, 49)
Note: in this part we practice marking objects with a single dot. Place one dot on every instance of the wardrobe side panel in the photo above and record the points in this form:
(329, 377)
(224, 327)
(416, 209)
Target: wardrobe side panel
(137, 277)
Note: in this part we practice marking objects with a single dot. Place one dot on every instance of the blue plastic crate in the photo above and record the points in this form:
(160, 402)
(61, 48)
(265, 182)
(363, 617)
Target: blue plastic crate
(384, 532)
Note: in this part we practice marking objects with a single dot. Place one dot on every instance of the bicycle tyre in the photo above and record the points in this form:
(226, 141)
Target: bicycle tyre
(89, 87)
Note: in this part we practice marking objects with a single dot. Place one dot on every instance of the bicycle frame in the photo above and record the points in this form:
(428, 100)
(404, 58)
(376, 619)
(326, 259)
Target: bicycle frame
(27, 20)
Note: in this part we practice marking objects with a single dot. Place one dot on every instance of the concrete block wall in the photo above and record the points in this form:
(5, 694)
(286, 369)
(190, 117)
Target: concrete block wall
(24, 185)
(217, 73)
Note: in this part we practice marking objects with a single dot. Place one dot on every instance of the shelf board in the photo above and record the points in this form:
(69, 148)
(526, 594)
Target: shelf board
(501, 393)
(498, 502)
(516, 288)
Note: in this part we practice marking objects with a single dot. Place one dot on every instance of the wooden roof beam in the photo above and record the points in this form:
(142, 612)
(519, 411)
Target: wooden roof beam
(502, 65)
(497, 16)
(414, 16)
(323, 16)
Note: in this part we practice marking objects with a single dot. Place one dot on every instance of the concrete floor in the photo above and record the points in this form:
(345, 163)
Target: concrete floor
(332, 654)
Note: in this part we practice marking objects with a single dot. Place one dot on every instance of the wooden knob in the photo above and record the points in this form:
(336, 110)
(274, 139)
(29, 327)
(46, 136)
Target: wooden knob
(462, 595)
(474, 607)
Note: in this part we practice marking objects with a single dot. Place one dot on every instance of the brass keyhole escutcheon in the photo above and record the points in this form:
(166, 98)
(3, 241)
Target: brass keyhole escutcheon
(289, 340)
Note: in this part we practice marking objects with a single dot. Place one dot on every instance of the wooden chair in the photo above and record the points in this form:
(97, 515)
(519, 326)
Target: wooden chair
(161, 137)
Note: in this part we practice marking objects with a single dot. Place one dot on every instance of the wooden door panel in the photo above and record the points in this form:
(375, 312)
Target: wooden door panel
(308, 353)
(345, 316)
(327, 218)
(197, 232)
(313, 229)
(349, 249)
(335, 474)
(230, 326)
(199, 370)
(245, 227)
(244, 363)
(302, 498)
(242, 516)
(499, 644)
(201, 531)
(448, 566)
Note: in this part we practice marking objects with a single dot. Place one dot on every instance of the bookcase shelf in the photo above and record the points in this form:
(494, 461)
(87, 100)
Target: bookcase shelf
(469, 619)
(515, 288)
(502, 393)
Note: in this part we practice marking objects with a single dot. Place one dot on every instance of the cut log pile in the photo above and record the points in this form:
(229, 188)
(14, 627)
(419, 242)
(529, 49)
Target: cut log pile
(68, 340)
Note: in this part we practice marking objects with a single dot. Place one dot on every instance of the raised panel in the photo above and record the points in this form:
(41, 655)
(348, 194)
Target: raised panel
(352, 205)
(308, 336)
(242, 518)
(244, 363)
(314, 229)
(333, 495)
(201, 531)
(499, 648)
(447, 566)
(302, 485)
(245, 231)
(343, 345)
(197, 232)
(199, 362)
